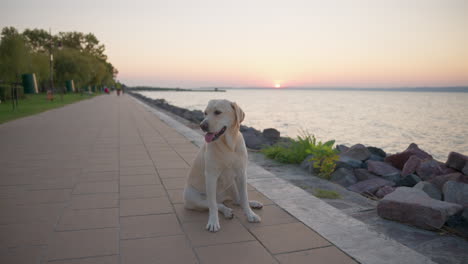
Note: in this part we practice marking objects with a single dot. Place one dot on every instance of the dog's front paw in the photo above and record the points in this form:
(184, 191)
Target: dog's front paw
(213, 225)
(253, 218)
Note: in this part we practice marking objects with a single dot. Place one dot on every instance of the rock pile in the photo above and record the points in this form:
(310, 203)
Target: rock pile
(415, 188)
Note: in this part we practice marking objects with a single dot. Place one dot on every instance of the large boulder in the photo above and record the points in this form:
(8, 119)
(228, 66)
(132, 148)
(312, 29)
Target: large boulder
(254, 139)
(428, 169)
(456, 161)
(363, 174)
(384, 191)
(430, 189)
(348, 162)
(341, 148)
(197, 116)
(308, 164)
(376, 157)
(456, 192)
(398, 160)
(357, 152)
(445, 169)
(344, 177)
(408, 180)
(384, 169)
(370, 186)
(411, 165)
(413, 206)
(440, 180)
(465, 169)
(377, 152)
(271, 134)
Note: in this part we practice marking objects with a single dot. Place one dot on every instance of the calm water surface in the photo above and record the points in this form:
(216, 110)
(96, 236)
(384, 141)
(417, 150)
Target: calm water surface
(437, 122)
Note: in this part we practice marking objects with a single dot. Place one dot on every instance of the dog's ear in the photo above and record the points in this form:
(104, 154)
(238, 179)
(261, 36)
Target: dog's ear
(238, 113)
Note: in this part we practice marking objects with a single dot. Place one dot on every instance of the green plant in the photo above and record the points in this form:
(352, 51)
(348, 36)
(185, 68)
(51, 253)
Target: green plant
(327, 194)
(324, 157)
(295, 151)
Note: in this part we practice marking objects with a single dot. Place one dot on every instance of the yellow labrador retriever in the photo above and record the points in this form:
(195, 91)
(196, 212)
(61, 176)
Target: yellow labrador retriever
(218, 173)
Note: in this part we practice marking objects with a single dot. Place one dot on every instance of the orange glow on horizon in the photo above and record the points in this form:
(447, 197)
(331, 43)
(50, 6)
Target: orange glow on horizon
(277, 85)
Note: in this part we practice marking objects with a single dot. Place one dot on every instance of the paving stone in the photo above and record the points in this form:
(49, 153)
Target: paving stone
(329, 255)
(142, 191)
(294, 237)
(258, 196)
(172, 249)
(243, 252)
(15, 235)
(270, 214)
(173, 173)
(65, 182)
(88, 219)
(98, 200)
(174, 183)
(96, 187)
(176, 196)
(20, 255)
(91, 260)
(31, 213)
(135, 163)
(46, 196)
(98, 176)
(149, 226)
(147, 170)
(171, 164)
(84, 243)
(231, 231)
(139, 180)
(145, 206)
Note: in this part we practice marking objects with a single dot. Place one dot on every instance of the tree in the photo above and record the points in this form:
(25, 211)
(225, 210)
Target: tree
(39, 39)
(82, 58)
(15, 56)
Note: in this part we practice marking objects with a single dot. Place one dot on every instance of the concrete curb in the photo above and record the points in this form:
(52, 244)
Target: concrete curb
(347, 233)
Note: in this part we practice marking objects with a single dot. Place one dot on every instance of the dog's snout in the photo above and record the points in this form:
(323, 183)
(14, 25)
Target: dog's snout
(204, 126)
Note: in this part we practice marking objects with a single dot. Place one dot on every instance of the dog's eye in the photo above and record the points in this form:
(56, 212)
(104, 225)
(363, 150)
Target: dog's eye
(217, 112)
(205, 113)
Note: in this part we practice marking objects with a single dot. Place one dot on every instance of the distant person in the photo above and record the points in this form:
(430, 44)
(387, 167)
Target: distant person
(118, 92)
(106, 90)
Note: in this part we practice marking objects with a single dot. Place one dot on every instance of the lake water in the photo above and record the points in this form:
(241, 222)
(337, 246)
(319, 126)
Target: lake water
(437, 122)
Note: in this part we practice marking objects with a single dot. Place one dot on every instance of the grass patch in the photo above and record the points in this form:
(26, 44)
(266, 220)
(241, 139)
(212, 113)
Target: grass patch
(326, 194)
(296, 150)
(36, 103)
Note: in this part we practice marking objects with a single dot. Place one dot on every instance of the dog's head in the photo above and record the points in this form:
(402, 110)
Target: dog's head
(221, 116)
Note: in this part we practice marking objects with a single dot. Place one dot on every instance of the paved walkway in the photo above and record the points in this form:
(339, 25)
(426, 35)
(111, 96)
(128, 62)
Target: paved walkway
(100, 181)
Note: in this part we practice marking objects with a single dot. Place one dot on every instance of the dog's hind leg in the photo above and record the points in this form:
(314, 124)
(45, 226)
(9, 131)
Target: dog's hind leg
(252, 203)
(255, 204)
(196, 201)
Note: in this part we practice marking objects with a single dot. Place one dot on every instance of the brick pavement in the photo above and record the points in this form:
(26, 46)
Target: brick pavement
(100, 181)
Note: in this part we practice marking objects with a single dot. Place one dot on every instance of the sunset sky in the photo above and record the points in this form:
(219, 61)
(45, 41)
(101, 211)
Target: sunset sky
(262, 43)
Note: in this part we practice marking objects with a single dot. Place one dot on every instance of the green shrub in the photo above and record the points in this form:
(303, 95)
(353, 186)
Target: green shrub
(295, 151)
(327, 194)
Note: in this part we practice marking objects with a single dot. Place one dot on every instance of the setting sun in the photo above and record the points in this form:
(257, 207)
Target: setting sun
(277, 85)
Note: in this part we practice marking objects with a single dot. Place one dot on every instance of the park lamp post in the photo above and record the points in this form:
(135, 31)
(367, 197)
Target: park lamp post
(51, 64)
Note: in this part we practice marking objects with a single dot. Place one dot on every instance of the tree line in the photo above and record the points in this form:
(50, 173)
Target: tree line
(76, 56)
